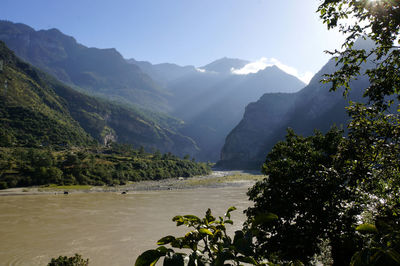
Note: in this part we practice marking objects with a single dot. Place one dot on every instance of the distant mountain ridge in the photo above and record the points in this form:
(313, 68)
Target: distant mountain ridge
(212, 104)
(102, 72)
(211, 99)
(165, 72)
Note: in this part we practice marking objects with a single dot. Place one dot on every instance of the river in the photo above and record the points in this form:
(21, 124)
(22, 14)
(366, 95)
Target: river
(108, 228)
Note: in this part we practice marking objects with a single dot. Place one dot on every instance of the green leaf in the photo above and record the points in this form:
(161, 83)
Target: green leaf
(163, 250)
(178, 219)
(149, 257)
(227, 214)
(231, 209)
(192, 217)
(367, 229)
(205, 231)
(165, 240)
(175, 260)
(178, 242)
(242, 243)
(264, 218)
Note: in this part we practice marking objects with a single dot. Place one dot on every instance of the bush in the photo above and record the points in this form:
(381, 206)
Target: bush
(76, 260)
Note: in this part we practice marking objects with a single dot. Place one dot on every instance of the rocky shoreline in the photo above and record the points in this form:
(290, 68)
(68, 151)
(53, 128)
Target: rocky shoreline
(215, 179)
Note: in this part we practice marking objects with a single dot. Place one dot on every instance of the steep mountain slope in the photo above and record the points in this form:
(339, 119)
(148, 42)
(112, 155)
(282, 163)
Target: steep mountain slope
(36, 109)
(265, 121)
(102, 72)
(31, 113)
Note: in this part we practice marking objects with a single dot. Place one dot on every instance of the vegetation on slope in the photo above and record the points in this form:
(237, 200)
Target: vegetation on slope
(52, 134)
(37, 110)
(115, 165)
(31, 114)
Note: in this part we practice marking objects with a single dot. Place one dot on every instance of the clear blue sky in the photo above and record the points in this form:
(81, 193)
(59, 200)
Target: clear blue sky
(185, 32)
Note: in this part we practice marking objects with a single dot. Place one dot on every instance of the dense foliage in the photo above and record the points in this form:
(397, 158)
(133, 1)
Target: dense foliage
(378, 21)
(206, 244)
(76, 260)
(115, 165)
(309, 202)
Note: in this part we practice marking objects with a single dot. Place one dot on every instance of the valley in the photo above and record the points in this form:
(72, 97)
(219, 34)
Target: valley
(200, 133)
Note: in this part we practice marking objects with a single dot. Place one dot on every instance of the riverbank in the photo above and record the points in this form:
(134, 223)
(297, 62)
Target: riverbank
(215, 179)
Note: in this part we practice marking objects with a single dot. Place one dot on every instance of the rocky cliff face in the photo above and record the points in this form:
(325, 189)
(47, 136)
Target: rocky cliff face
(259, 121)
(265, 121)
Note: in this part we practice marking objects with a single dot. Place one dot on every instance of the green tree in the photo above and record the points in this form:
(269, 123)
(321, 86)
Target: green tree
(141, 150)
(157, 155)
(308, 200)
(370, 160)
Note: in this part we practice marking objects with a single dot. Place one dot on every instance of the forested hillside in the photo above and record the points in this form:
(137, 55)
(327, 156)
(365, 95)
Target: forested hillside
(51, 133)
(38, 110)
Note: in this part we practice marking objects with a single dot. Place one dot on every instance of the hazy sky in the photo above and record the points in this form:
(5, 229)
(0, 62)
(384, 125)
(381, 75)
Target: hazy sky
(189, 32)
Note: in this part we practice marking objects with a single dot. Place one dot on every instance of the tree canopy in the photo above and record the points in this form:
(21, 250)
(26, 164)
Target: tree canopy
(324, 192)
(378, 20)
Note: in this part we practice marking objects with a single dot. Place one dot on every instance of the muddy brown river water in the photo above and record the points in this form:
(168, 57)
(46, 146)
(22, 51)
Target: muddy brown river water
(108, 228)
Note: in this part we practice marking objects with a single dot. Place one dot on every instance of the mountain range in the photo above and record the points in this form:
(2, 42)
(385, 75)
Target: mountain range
(201, 111)
(265, 121)
(210, 100)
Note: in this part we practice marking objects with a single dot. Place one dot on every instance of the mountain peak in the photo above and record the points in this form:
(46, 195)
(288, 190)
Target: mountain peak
(8, 26)
(224, 65)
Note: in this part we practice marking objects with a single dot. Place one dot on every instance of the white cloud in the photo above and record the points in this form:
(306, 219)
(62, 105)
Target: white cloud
(262, 63)
(201, 70)
(252, 67)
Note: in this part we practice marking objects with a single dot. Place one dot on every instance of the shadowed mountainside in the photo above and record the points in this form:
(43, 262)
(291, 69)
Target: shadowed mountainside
(211, 99)
(266, 120)
(36, 110)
